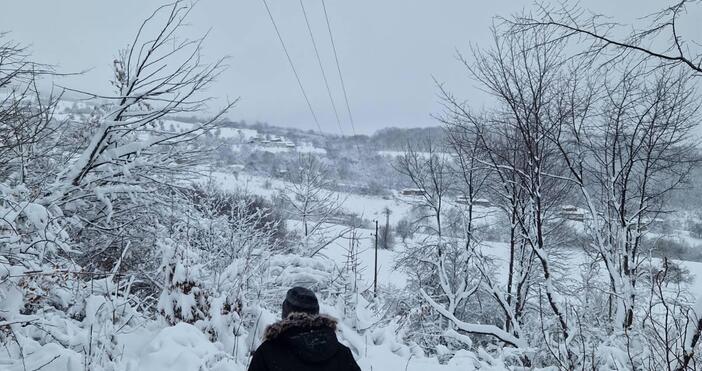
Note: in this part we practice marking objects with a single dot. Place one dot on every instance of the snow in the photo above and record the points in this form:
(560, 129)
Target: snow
(395, 154)
(240, 134)
(387, 259)
(271, 149)
(243, 136)
(695, 287)
(185, 347)
(372, 207)
(151, 344)
(248, 183)
(47, 357)
(475, 328)
(182, 347)
(306, 147)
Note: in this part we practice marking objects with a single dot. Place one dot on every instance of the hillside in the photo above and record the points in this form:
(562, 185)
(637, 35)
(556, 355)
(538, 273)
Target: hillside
(548, 221)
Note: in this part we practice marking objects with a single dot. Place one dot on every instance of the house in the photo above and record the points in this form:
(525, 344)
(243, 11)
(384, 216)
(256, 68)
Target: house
(412, 192)
(237, 168)
(482, 202)
(570, 212)
(463, 200)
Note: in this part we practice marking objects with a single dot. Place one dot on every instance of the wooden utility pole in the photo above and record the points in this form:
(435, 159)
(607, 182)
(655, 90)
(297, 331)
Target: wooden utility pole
(375, 270)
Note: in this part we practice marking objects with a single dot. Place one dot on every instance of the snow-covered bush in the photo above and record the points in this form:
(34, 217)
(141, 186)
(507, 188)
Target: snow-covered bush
(404, 229)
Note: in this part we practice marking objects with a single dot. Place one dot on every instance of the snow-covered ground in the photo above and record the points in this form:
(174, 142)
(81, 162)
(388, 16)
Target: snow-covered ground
(184, 347)
(372, 207)
(302, 148)
(395, 154)
(391, 277)
(369, 207)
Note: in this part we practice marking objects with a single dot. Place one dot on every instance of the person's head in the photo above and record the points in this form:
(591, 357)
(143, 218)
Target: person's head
(300, 300)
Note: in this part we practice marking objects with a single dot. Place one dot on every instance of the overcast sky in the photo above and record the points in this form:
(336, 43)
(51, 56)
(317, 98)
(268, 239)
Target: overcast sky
(389, 50)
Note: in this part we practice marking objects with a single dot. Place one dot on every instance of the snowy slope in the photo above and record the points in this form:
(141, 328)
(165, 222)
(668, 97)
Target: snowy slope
(371, 207)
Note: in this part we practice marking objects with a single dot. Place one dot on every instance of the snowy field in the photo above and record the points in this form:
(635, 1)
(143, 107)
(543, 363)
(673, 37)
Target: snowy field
(371, 207)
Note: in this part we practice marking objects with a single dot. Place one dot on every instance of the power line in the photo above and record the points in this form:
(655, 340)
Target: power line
(338, 68)
(297, 76)
(321, 68)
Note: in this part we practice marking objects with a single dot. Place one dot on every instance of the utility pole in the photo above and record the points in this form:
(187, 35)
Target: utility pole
(375, 271)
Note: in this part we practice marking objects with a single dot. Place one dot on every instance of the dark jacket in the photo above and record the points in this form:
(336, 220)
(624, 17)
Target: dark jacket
(303, 342)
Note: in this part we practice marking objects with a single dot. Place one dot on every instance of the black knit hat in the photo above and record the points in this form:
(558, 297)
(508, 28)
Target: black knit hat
(300, 299)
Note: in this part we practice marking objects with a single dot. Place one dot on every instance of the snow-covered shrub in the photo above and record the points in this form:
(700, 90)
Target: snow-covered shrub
(87, 202)
(50, 307)
(183, 298)
(260, 212)
(215, 266)
(30, 235)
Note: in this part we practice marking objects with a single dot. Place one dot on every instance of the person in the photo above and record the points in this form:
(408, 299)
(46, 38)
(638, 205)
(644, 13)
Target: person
(303, 340)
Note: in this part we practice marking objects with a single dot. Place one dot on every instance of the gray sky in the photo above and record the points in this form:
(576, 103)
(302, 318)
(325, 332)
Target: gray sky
(389, 50)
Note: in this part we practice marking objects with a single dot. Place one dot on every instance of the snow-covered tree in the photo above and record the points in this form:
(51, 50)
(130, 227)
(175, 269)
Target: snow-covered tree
(309, 198)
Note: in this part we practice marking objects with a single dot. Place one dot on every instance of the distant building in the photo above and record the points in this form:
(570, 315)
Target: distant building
(482, 202)
(463, 200)
(236, 168)
(268, 140)
(412, 192)
(570, 212)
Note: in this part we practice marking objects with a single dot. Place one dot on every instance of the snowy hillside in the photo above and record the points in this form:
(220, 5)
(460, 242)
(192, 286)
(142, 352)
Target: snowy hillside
(549, 220)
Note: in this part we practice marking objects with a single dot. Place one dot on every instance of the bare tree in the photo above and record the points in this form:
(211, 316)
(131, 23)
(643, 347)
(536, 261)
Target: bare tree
(310, 198)
(28, 131)
(126, 153)
(523, 74)
(625, 157)
(479, 174)
(660, 39)
(429, 171)
(154, 78)
(620, 137)
(450, 264)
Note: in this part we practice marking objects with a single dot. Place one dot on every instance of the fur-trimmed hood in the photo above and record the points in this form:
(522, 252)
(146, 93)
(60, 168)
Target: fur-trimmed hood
(299, 321)
(303, 342)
